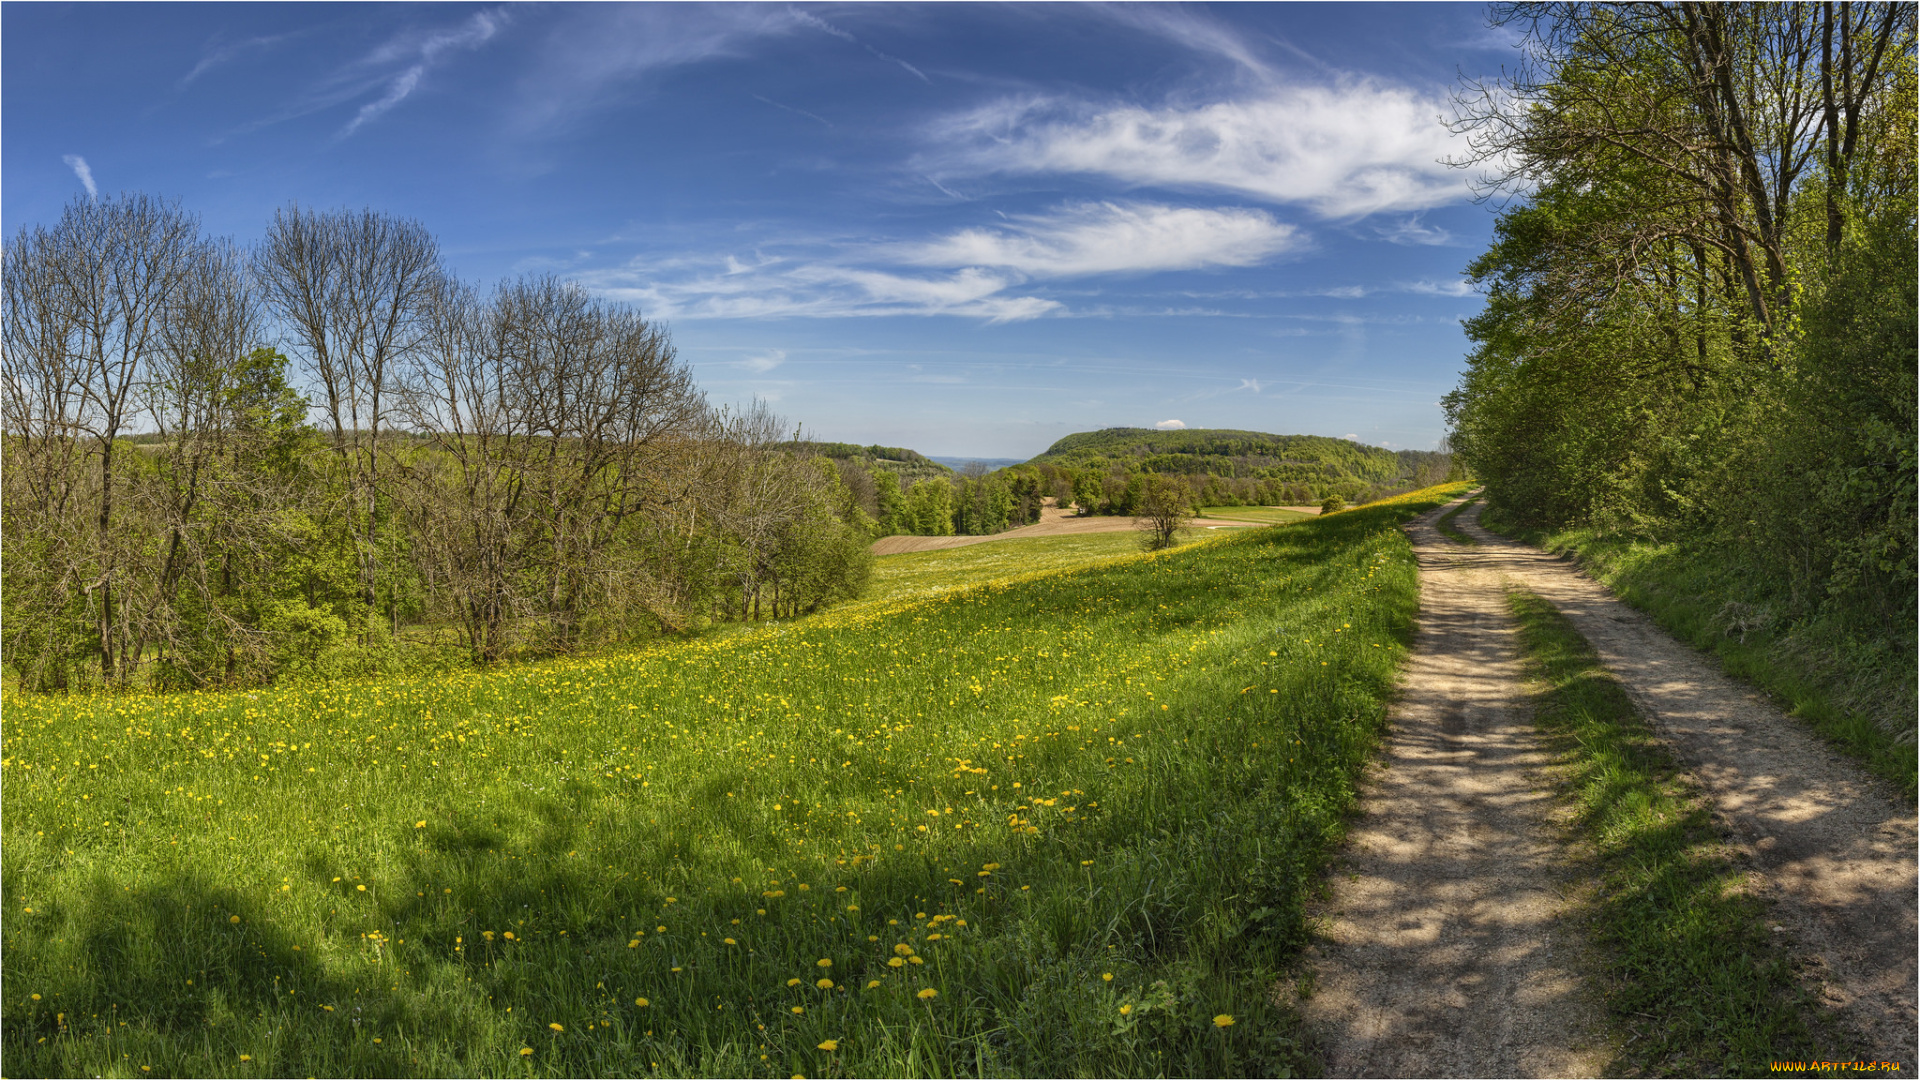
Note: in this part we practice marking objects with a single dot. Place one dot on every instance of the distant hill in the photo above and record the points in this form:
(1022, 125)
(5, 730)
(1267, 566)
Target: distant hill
(1306, 466)
(1225, 452)
(989, 462)
(908, 465)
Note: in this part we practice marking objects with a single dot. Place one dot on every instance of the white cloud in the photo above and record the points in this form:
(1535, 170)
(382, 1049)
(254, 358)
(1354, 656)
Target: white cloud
(1170, 425)
(1412, 232)
(974, 273)
(780, 289)
(1249, 384)
(1352, 148)
(80, 169)
(1104, 238)
(1440, 288)
(765, 362)
(1350, 435)
(476, 32)
(220, 52)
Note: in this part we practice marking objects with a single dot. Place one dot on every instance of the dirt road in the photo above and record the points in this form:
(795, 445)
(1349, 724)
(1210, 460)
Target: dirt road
(1446, 954)
(1833, 846)
(1445, 950)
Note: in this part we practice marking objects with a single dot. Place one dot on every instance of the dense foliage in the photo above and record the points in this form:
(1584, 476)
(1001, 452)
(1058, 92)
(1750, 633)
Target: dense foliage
(1701, 302)
(1059, 824)
(434, 475)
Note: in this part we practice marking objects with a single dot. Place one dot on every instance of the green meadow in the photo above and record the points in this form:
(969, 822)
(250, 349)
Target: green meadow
(1041, 818)
(1276, 515)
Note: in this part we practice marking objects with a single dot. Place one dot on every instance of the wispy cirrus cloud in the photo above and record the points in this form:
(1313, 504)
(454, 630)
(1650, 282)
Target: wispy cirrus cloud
(420, 56)
(220, 51)
(84, 171)
(761, 363)
(389, 74)
(1343, 150)
(1413, 232)
(1439, 288)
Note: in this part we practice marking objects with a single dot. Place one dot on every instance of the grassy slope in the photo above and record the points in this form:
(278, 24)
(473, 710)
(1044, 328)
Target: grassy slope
(1000, 795)
(1689, 973)
(1855, 694)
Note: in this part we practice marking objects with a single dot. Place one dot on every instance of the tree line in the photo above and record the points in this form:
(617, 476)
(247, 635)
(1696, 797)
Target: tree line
(325, 453)
(1701, 299)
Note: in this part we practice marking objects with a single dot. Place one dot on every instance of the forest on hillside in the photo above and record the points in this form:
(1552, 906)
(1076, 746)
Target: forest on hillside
(1701, 305)
(1103, 469)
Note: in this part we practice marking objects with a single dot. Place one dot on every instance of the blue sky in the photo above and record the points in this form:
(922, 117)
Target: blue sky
(966, 229)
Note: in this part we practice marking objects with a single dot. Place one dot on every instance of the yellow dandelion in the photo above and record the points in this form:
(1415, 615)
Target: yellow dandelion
(556, 1027)
(873, 983)
(233, 918)
(928, 994)
(361, 888)
(1106, 976)
(793, 982)
(823, 963)
(640, 1003)
(830, 1045)
(896, 962)
(824, 984)
(1223, 1020)
(419, 824)
(798, 1009)
(526, 1051)
(730, 941)
(246, 1057)
(1126, 1010)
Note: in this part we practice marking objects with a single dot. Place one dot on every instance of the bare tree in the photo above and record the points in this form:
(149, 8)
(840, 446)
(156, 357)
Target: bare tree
(555, 419)
(93, 295)
(352, 291)
(194, 393)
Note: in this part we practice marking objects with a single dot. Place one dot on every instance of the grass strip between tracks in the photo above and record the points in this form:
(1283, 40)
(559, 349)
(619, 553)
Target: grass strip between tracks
(1689, 971)
(1450, 532)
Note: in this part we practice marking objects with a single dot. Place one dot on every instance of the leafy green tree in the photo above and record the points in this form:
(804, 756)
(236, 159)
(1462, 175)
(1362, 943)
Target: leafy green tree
(1162, 507)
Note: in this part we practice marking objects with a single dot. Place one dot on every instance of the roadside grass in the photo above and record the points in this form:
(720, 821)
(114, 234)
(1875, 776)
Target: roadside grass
(1688, 970)
(1060, 824)
(1857, 694)
(1450, 532)
(1272, 515)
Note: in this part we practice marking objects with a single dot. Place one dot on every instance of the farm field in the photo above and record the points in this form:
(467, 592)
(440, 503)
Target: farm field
(1059, 824)
(925, 573)
(1273, 515)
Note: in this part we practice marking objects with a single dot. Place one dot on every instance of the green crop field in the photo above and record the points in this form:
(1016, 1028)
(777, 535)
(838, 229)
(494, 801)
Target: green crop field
(1272, 514)
(927, 573)
(1060, 823)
